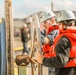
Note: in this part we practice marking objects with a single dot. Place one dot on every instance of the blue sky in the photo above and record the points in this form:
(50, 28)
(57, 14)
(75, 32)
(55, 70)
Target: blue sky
(24, 8)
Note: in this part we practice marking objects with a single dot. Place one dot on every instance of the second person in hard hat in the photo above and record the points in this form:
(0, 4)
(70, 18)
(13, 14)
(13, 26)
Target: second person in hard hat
(64, 46)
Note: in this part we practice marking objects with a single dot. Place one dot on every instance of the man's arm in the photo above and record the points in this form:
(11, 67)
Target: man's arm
(62, 54)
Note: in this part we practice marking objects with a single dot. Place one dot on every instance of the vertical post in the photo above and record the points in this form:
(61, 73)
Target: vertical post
(2, 48)
(52, 5)
(9, 37)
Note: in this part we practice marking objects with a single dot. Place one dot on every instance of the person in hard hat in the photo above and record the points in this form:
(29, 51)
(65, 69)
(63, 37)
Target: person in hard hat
(64, 46)
(47, 17)
(25, 38)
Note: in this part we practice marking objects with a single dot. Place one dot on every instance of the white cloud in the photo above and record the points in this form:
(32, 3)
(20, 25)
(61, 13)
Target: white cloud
(27, 7)
(32, 6)
(1, 10)
(65, 4)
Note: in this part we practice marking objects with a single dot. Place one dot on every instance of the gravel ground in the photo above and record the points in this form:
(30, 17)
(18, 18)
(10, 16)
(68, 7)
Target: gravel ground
(18, 43)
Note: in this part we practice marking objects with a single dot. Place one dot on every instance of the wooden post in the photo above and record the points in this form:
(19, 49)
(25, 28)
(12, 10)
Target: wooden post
(9, 37)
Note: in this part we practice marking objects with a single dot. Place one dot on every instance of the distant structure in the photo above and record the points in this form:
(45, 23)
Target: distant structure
(19, 22)
(56, 12)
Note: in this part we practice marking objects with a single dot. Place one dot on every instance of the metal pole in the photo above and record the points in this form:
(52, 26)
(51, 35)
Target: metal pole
(52, 5)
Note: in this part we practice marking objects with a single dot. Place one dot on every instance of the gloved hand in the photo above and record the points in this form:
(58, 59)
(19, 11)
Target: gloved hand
(46, 40)
(39, 57)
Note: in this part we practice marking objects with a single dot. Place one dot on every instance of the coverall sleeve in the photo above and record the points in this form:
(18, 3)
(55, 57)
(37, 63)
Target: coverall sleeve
(52, 35)
(62, 54)
(42, 36)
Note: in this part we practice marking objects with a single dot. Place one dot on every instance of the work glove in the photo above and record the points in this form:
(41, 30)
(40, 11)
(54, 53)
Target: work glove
(39, 57)
(46, 40)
